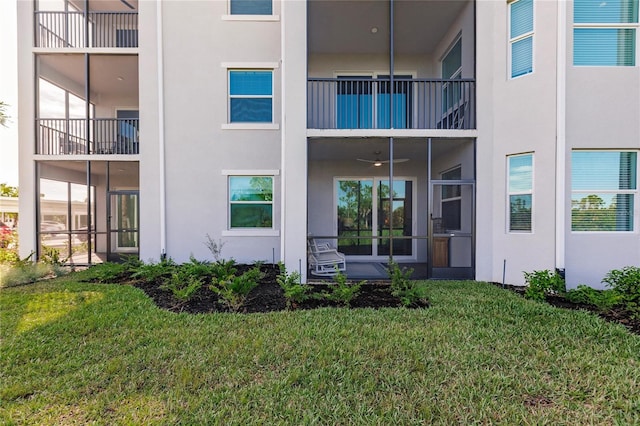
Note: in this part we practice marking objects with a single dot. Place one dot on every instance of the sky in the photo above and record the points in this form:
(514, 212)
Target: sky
(9, 92)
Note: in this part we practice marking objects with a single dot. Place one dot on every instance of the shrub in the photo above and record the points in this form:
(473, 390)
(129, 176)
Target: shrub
(107, 272)
(23, 273)
(626, 282)
(222, 269)
(404, 288)
(343, 292)
(233, 290)
(541, 283)
(603, 300)
(183, 285)
(155, 272)
(294, 291)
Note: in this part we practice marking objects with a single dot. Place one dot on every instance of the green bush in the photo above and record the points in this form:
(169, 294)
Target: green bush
(233, 290)
(626, 282)
(222, 269)
(23, 273)
(294, 290)
(343, 292)
(404, 288)
(601, 299)
(183, 285)
(541, 283)
(107, 272)
(155, 272)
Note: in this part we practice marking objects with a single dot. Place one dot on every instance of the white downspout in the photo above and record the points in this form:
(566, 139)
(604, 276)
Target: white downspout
(161, 141)
(283, 139)
(561, 143)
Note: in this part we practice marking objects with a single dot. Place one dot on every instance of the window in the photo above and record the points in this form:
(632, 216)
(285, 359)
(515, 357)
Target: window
(605, 33)
(603, 190)
(250, 96)
(521, 37)
(520, 192)
(452, 200)
(453, 107)
(250, 202)
(251, 7)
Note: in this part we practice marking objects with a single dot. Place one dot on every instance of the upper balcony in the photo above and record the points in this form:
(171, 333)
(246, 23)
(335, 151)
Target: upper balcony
(371, 71)
(68, 24)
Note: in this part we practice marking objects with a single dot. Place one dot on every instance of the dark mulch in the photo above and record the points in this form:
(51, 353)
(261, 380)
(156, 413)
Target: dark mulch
(616, 314)
(269, 297)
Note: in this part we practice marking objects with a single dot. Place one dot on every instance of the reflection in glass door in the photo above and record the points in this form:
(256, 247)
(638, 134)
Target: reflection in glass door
(355, 210)
(123, 222)
(361, 203)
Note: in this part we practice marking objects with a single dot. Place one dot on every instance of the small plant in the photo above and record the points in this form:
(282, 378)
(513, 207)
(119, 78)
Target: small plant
(294, 291)
(197, 268)
(343, 292)
(541, 283)
(183, 286)
(155, 272)
(404, 288)
(222, 269)
(233, 290)
(51, 256)
(107, 272)
(626, 282)
(602, 299)
(215, 247)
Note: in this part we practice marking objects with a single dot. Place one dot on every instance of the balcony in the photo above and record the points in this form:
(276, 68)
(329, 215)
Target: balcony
(58, 136)
(95, 29)
(365, 103)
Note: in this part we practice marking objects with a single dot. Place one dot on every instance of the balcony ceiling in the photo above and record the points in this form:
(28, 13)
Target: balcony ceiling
(344, 26)
(112, 75)
(108, 5)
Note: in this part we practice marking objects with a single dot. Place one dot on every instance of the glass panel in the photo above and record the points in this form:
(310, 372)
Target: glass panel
(605, 170)
(51, 100)
(250, 83)
(520, 173)
(522, 57)
(355, 216)
(602, 212)
(520, 212)
(54, 204)
(453, 61)
(401, 220)
(126, 220)
(250, 188)
(251, 215)
(251, 7)
(78, 207)
(251, 110)
(521, 17)
(610, 11)
(604, 46)
(355, 103)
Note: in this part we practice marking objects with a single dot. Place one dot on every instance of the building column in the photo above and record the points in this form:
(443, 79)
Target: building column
(294, 161)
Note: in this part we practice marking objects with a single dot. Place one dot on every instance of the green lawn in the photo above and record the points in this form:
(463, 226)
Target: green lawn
(75, 353)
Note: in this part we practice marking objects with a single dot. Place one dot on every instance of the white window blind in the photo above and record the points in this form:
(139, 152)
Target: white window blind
(521, 37)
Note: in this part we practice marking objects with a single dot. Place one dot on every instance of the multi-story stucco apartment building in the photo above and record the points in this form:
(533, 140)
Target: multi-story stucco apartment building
(510, 131)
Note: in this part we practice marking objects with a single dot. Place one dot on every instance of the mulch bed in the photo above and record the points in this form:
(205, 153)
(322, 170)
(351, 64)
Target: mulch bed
(269, 297)
(616, 314)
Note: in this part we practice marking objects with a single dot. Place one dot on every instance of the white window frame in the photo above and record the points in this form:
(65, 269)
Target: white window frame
(251, 66)
(529, 192)
(523, 36)
(617, 26)
(634, 192)
(251, 232)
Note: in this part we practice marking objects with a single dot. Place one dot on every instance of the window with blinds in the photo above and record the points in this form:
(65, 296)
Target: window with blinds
(520, 192)
(251, 7)
(605, 33)
(250, 96)
(604, 190)
(521, 37)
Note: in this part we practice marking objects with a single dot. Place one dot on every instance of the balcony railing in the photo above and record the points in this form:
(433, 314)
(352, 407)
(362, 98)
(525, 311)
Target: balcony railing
(365, 103)
(95, 29)
(59, 136)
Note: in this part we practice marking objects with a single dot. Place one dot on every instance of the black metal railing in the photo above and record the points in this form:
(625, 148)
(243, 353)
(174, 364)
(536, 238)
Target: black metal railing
(93, 29)
(365, 103)
(59, 136)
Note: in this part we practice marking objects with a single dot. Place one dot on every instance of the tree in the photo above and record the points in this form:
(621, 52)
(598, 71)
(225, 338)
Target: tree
(3, 114)
(8, 190)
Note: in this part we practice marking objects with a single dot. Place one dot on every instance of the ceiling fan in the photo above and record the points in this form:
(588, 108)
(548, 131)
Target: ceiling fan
(378, 162)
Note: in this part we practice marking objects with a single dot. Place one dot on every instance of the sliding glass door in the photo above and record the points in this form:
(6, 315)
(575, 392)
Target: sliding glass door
(364, 210)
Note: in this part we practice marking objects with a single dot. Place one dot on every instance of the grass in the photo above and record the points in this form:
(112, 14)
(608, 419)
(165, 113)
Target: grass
(76, 353)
